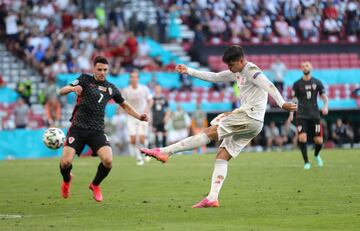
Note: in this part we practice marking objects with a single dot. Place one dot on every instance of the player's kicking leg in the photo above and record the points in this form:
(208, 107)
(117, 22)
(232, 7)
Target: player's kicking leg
(65, 170)
(201, 139)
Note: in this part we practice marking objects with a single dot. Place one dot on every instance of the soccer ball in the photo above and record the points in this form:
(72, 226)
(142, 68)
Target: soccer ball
(54, 138)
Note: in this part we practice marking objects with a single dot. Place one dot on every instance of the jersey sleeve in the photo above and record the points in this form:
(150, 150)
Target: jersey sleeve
(264, 83)
(80, 81)
(321, 88)
(224, 76)
(118, 98)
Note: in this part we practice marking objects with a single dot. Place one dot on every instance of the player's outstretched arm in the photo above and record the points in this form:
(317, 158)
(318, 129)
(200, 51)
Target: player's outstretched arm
(224, 76)
(131, 111)
(67, 89)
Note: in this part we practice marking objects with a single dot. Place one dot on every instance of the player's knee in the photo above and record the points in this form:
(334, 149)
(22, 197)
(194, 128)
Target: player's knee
(107, 162)
(318, 140)
(133, 140)
(65, 163)
(302, 138)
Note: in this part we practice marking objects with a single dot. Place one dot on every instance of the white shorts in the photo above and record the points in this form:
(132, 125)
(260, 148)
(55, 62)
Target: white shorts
(137, 127)
(236, 130)
(176, 135)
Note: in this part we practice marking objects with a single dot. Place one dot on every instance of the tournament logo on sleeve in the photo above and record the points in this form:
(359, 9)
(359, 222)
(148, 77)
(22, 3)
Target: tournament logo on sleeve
(256, 75)
(75, 82)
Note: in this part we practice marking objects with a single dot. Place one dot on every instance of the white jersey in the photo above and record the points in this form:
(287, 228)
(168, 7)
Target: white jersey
(254, 87)
(138, 97)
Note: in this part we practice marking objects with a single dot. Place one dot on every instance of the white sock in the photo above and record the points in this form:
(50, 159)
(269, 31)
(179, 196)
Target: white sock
(218, 177)
(136, 153)
(132, 150)
(187, 143)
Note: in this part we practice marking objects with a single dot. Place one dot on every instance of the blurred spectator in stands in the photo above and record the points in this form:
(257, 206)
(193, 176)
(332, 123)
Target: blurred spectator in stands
(217, 27)
(186, 82)
(120, 136)
(283, 29)
(59, 66)
(198, 43)
(330, 10)
(21, 112)
(71, 64)
(12, 29)
(142, 57)
(352, 16)
(116, 67)
(53, 111)
(292, 10)
(198, 123)
(161, 24)
(51, 89)
(83, 61)
(308, 3)
(236, 26)
(289, 134)
(331, 27)
(116, 17)
(174, 27)
(24, 90)
(160, 114)
(178, 125)
(279, 70)
(307, 26)
(262, 26)
(141, 23)
(342, 134)
(272, 135)
(131, 49)
(251, 6)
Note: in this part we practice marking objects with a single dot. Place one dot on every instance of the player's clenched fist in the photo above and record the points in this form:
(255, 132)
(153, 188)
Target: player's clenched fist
(77, 89)
(143, 117)
(181, 68)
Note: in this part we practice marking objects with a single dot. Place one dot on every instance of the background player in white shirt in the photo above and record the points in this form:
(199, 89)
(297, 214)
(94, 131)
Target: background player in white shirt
(139, 97)
(237, 128)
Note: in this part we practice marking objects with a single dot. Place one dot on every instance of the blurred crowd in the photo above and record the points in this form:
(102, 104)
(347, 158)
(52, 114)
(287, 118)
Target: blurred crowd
(59, 37)
(272, 20)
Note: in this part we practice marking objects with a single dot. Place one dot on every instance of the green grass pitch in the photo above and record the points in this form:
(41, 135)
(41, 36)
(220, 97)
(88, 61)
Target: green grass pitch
(268, 191)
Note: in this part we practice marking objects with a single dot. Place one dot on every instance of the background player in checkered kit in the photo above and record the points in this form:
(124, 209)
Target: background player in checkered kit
(237, 128)
(305, 92)
(87, 124)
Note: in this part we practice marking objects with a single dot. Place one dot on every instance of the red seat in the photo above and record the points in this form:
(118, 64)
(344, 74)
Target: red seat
(215, 96)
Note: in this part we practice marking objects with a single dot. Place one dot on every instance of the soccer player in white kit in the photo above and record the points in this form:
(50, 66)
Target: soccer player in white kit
(139, 97)
(237, 128)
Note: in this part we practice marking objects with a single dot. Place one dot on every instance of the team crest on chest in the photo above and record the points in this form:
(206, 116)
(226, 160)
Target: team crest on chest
(101, 88)
(314, 86)
(110, 90)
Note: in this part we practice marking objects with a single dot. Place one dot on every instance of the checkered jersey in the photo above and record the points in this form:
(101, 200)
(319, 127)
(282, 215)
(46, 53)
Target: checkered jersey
(89, 110)
(307, 93)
